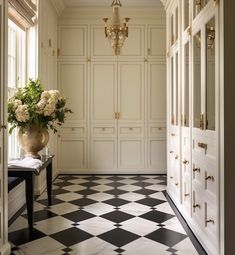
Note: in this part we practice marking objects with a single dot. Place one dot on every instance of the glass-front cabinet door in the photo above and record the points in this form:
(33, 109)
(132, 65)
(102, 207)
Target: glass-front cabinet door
(204, 76)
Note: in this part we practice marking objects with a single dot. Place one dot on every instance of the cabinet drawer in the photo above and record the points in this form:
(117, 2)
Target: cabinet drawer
(78, 131)
(131, 131)
(155, 131)
(103, 131)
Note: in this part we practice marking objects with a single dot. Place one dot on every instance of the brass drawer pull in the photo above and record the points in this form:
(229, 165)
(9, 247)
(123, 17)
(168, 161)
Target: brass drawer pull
(171, 152)
(159, 128)
(171, 177)
(130, 128)
(172, 134)
(176, 184)
(186, 195)
(196, 206)
(103, 128)
(210, 221)
(185, 162)
(196, 170)
(210, 178)
(202, 145)
(176, 157)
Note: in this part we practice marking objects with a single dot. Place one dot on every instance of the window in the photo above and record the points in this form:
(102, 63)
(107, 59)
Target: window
(16, 72)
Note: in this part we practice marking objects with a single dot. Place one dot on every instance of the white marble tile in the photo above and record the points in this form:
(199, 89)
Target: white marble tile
(45, 245)
(98, 208)
(103, 181)
(93, 246)
(18, 224)
(69, 196)
(96, 226)
(165, 207)
(38, 207)
(157, 187)
(185, 247)
(158, 195)
(153, 181)
(78, 181)
(43, 196)
(74, 188)
(134, 208)
(100, 196)
(132, 196)
(63, 208)
(102, 188)
(144, 246)
(53, 225)
(129, 187)
(174, 224)
(139, 226)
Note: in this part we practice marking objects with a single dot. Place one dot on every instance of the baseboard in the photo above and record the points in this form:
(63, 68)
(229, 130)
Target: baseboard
(5, 249)
(112, 171)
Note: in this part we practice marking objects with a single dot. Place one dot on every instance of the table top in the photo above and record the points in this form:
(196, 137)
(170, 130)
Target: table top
(46, 160)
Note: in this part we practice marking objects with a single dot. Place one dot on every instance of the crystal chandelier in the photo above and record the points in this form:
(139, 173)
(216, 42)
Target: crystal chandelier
(116, 32)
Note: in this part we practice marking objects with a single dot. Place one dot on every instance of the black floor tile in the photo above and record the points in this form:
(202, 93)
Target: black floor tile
(89, 184)
(150, 201)
(86, 192)
(83, 202)
(41, 215)
(157, 216)
(59, 191)
(55, 201)
(71, 236)
(79, 215)
(145, 191)
(116, 192)
(119, 237)
(116, 201)
(166, 236)
(117, 216)
(22, 236)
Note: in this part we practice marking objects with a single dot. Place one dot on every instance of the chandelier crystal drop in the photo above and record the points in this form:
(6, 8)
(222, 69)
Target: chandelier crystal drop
(115, 31)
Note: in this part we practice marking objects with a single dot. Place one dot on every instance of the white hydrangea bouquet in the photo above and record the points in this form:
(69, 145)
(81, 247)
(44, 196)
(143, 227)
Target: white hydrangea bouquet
(32, 105)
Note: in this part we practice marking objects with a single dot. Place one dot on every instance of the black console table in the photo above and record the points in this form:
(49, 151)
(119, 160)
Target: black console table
(28, 175)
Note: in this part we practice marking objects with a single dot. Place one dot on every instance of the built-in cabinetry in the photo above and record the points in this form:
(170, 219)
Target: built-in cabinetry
(119, 102)
(193, 116)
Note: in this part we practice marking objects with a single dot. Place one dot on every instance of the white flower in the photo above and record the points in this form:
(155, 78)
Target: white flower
(55, 94)
(41, 105)
(16, 103)
(45, 95)
(22, 114)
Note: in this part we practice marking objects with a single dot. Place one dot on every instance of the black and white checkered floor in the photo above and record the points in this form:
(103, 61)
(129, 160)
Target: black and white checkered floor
(103, 215)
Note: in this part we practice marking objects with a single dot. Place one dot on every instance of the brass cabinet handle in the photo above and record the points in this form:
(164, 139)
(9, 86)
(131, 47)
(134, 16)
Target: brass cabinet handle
(201, 124)
(186, 195)
(176, 184)
(202, 145)
(210, 221)
(176, 157)
(171, 177)
(115, 115)
(171, 152)
(159, 128)
(103, 128)
(130, 128)
(210, 178)
(185, 162)
(172, 134)
(196, 170)
(196, 206)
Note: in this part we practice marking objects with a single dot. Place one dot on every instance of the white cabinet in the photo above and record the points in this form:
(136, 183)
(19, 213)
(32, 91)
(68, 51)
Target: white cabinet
(193, 103)
(119, 101)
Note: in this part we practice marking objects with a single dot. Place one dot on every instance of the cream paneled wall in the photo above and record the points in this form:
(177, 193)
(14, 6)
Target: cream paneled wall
(119, 103)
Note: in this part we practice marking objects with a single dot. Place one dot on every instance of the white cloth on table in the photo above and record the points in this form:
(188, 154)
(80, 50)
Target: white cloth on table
(27, 162)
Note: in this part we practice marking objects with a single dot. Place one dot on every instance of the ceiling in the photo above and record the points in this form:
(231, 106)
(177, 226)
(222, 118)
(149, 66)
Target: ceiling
(105, 3)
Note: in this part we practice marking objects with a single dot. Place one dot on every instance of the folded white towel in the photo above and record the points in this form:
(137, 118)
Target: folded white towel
(26, 162)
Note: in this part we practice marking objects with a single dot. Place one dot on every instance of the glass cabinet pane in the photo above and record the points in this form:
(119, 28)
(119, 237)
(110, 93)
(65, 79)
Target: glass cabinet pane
(196, 80)
(176, 23)
(172, 30)
(172, 91)
(186, 13)
(176, 89)
(185, 116)
(210, 74)
(198, 5)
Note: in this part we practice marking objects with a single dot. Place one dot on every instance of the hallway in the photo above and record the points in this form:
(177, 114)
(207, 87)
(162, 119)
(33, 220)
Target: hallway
(103, 215)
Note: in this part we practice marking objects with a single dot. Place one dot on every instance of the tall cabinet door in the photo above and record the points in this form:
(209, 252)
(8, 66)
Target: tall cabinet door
(131, 115)
(104, 115)
(4, 245)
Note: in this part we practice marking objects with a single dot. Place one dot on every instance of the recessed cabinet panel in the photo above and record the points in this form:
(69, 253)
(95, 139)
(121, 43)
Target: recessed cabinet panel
(186, 13)
(131, 153)
(72, 83)
(157, 41)
(76, 45)
(100, 46)
(134, 43)
(185, 117)
(104, 91)
(157, 92)
(157, 154)
(104, 153)
(131, 80)
(210, 74)
(72, 153)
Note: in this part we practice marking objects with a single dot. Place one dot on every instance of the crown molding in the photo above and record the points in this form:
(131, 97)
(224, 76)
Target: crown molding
(58, 5)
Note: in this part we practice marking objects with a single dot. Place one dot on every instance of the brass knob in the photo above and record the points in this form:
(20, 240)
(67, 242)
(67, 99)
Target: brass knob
(196, 169)
(176, 157)
(103, 129)
(171, 152)
(196, 206)
(172, 134)
(73, 128)
(58, 136)
(171, 177)
(210, 221)
(130, 128)
(186, 195)
(176, 184)
(159, 128)
(185, 161)
(210, 178)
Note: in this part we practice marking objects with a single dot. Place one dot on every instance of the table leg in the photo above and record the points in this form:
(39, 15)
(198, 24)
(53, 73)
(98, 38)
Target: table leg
(49, 183)
(29, 179)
